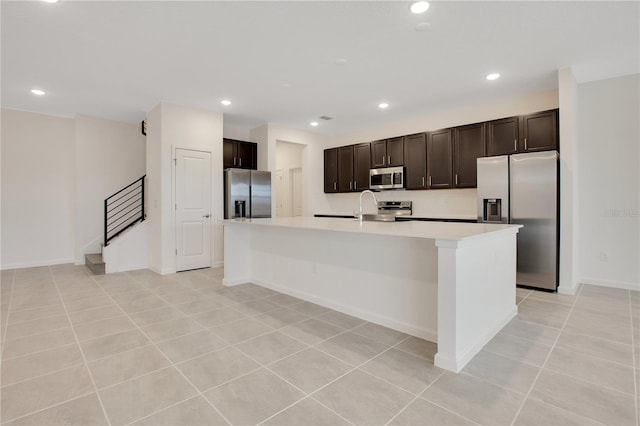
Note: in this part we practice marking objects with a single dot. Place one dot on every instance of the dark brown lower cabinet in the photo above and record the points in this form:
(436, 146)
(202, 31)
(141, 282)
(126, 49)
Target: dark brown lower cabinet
(439, 159)
(415, 161)
(468, 145)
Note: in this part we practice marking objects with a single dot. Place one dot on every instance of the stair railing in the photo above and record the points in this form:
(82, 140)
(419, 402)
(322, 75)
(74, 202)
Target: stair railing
(124, 209)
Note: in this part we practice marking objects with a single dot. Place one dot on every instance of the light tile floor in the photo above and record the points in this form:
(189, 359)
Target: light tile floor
(139, 348)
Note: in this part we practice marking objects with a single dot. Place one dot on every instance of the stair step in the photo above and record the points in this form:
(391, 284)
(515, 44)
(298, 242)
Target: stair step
(94, 262)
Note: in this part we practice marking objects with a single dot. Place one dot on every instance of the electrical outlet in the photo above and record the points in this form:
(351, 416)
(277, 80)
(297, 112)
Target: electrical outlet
(603, 257)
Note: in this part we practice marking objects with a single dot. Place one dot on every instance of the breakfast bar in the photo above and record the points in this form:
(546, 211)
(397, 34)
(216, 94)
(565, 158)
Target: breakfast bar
(450, 283)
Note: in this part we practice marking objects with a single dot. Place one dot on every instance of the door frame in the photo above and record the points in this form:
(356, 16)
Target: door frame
(174, 199)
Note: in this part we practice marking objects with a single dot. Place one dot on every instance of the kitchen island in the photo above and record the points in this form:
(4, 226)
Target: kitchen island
(450, 283)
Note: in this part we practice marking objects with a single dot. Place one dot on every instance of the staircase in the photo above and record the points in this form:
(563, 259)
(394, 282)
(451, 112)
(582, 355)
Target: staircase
(122, 210)
(94, 262)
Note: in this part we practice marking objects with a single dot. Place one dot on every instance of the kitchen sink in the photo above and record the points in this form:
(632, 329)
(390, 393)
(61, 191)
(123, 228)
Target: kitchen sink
(378, 217)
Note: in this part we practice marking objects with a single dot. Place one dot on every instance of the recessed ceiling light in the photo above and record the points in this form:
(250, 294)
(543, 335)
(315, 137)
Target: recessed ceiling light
(314, 123)
(50, 1)
(422, 26)
(38, 92)
(226, 102)
(493, 76)
(419, 7)
(383, 105)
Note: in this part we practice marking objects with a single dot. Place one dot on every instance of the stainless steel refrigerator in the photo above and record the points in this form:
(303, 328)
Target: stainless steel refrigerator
(247, 193)
(523, 189)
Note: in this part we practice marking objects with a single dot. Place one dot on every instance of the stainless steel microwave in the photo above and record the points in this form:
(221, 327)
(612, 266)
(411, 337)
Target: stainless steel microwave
(386, 178)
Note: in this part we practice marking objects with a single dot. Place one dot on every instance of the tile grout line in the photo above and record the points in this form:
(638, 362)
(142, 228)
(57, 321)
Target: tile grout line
(546, 360)
(4, 335)
(171, 365)
(6, 326)
(421, 397)
(84, 358)
(633, 354)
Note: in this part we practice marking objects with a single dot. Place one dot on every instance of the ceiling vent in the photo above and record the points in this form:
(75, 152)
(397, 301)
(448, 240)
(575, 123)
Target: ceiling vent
(325, 117)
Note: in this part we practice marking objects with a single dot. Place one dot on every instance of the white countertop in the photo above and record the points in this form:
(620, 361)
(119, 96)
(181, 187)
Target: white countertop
(417, 216)
(414, 229)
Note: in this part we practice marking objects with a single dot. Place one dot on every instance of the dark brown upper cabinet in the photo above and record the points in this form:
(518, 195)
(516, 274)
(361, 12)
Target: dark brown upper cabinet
(502, 136)
(239, 154)
(415, 161)
(540, 131)
(439, 159)
(361, 162)
(331, 170)
(468, 145)
(345, 168)
(387, 152)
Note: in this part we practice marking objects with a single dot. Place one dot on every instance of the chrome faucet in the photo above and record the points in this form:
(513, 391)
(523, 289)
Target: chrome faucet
(375, 202)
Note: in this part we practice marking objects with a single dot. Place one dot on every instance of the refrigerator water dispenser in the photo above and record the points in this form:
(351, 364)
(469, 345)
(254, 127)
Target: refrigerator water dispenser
(492, 210)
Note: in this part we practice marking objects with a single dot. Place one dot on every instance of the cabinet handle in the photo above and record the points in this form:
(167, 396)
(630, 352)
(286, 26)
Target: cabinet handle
(429, 180)
(350, 185)
(456, 179)
(515, 144)
(355, 184)
(335, 188)
(383, 160)
(525, 144)
(240, 158)
(388, 159)
(234, 161)
(422, 180)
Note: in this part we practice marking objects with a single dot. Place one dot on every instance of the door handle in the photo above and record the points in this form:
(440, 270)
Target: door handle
(207, 215)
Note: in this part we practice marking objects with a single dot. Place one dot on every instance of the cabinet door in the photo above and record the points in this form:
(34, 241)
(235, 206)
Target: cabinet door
(228, 153)
(247, 155)
(468, 146)
(362, 160)
(502, 136)
(331, 170)
(379, 153)
(345, 168)
(439, 159)
(415, 161)
(395, 151)
(540, 131)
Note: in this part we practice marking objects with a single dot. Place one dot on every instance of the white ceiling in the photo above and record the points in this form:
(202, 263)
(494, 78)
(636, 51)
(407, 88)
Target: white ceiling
(276, 61)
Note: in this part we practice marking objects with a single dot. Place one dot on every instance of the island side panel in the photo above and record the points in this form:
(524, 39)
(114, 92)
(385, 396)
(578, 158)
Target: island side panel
(388, 280)
(237, 254)
(476, 295)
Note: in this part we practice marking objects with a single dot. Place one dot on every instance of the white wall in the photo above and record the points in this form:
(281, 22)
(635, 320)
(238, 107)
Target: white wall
(435, 203)
(269, 135)
(109, 156)
(609, 160)
(231, 132)
(37, 189)
(171, 127)
(569, 182)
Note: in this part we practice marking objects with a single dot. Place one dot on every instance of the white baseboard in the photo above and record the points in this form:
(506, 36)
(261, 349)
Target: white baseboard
(37, 263)
(162, 271)
(625, 285)
(458, 364)
(423, 333)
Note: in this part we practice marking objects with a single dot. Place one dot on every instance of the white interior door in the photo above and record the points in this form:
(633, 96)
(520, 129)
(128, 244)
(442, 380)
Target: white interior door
(296, 191)
(193, 209)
